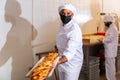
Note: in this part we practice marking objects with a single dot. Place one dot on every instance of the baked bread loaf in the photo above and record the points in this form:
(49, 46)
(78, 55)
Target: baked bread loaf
(42, 70)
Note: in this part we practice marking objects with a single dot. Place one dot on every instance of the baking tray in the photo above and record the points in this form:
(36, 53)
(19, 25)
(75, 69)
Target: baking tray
(50, 73)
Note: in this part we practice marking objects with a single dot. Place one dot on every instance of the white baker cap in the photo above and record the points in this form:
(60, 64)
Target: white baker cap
(108, 19)
(67, 6)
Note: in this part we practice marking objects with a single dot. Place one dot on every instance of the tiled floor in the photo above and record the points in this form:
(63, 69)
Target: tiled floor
(102, 76)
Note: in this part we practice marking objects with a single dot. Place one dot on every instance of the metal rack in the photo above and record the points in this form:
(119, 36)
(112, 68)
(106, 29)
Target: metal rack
(93, 69)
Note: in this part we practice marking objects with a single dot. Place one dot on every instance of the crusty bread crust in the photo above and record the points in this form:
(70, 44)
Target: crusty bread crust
(42, 70)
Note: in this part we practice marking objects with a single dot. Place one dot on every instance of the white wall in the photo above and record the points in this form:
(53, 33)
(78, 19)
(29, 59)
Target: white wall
(46, 20)
(15, 39)
(111, 6)
(21, 21)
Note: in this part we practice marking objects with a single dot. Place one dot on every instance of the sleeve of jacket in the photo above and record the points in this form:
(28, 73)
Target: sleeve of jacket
(109, 37)
(74, 43)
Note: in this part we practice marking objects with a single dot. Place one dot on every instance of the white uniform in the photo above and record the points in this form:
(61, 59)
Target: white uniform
(69, 43)
(110, 45)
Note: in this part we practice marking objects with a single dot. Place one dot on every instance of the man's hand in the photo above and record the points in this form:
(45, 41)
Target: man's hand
(62, 59)
(100, 40)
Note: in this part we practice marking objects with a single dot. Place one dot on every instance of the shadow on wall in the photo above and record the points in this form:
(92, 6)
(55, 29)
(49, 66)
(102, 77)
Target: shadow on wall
(18, 44)
(96, 21)
(47, 36)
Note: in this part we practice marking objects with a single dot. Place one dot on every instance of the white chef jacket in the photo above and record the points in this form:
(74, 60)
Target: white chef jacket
(111, 41)
(69, 43)
(110, 44)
